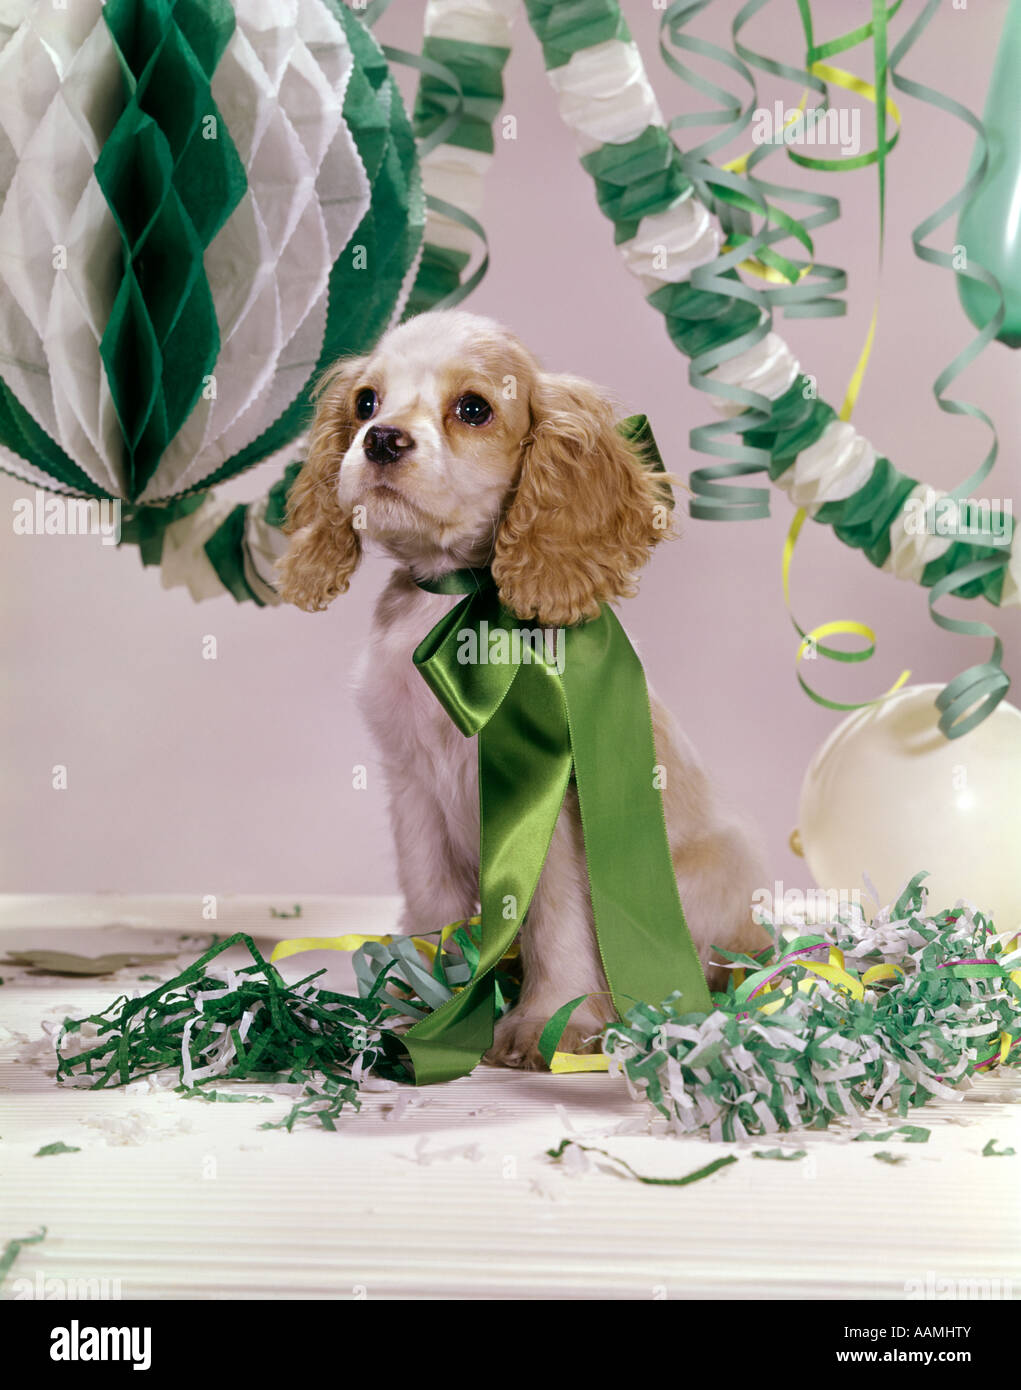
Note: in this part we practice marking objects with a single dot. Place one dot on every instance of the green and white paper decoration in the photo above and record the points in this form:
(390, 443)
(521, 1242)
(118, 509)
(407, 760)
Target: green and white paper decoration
(201, 206)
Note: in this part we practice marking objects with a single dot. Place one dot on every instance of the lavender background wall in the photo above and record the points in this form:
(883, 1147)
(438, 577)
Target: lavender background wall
(234, 775)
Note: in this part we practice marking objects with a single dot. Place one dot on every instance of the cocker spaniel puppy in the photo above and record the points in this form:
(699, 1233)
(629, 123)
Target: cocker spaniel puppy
(448, 446)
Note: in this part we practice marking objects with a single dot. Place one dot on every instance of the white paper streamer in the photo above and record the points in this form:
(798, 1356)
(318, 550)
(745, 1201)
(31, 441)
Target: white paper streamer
(835, 466)
(471, 21)
(604, 94)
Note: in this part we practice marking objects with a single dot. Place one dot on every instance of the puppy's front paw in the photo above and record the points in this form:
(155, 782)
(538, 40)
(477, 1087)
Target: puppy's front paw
(516, 1039)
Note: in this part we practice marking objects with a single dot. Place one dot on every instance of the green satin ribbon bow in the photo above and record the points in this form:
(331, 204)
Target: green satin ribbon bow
(537, 728)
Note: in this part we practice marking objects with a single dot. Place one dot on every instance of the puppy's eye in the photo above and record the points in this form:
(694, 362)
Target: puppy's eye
(473, 410)
(365, 404)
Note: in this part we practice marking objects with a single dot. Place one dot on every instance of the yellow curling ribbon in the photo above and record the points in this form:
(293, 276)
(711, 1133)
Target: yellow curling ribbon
(810, 640)
(881, 972)
(566, 1062)
(294, 945)
(836, 976)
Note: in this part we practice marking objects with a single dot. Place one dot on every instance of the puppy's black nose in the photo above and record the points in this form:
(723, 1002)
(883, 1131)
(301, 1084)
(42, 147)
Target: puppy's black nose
(386, 443)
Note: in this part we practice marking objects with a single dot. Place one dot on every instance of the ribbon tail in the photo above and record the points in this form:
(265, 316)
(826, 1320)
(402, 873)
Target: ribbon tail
(643, 937)
(524, 770)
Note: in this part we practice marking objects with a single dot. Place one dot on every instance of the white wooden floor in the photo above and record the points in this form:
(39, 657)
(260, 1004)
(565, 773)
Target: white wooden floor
(446, 1192)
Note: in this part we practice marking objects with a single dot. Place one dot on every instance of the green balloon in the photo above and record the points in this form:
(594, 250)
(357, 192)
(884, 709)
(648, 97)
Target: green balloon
(990, 225)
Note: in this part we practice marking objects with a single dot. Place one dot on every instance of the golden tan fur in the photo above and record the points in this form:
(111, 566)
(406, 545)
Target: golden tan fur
(324, 554)
(585, 512)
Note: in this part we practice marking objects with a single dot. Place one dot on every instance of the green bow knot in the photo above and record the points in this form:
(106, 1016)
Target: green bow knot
(540, 722)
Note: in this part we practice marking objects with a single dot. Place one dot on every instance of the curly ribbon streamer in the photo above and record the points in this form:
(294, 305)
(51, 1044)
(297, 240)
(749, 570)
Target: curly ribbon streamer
(719, 322)
(534, 727)
(876, 94)
(773, 268)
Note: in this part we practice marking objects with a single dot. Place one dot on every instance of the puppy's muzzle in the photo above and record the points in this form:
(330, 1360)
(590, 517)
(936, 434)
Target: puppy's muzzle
(385, 444)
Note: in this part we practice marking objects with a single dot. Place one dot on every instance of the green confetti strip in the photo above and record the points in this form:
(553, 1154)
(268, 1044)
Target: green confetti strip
(296, 912)
(991, 1151)
(557, 1155)
(768, 1061)
(224, 1097)
(58, 1148)
(13, 1249)
(322, 1103)
(913, 1134)
(780, 1154)
(885, 1156)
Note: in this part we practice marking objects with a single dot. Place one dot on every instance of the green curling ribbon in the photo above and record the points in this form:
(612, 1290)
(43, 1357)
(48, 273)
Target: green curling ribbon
(170, 190)
(537, 730)
(973, 271)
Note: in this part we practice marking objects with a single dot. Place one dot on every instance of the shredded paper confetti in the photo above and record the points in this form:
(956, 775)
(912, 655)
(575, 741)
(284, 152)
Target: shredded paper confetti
(244, 1024)
(860, 1018)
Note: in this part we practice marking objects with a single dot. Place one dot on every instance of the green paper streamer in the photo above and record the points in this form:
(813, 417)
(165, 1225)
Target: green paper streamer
(277, 1032)
(58, 1148)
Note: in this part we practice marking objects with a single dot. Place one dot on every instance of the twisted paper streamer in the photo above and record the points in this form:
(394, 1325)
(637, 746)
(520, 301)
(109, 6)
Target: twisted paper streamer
(728, 334)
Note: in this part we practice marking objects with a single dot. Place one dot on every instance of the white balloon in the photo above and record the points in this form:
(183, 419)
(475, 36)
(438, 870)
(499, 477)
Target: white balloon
(888, 795)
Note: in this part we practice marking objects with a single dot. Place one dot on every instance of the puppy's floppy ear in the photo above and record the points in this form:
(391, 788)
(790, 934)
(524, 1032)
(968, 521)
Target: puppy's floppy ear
(326, 547)
(585, 514)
